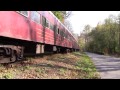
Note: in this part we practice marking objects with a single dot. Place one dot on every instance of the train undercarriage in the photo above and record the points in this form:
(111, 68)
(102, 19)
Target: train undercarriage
(12, 50)
(10, 53)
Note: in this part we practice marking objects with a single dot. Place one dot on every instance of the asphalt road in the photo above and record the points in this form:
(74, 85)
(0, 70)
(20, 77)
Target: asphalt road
(109, 67)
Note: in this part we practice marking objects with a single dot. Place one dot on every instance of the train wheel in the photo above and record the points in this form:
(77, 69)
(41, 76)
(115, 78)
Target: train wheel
(13, 57)
(20, 56)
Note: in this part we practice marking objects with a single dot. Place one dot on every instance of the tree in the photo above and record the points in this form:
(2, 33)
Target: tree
(119, 29)
(81, 42)
(59, 15)
(86, 30)
(104, 38)
(66, 14)
(68, 25)
(62, 15)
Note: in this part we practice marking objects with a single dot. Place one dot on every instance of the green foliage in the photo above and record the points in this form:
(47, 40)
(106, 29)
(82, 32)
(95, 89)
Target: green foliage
(104, 38)
(8, 76)
(81, 43)
(59, 15)
(62, 71)
(87, 67)
(38, 70)
(83, 39)
(27, 67)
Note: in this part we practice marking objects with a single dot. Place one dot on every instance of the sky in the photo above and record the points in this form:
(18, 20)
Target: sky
(79, 19)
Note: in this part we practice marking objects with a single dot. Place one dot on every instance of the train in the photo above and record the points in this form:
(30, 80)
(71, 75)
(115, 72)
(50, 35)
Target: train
(32, 32)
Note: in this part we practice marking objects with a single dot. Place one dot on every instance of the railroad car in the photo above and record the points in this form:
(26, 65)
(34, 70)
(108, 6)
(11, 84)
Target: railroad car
(32, 32)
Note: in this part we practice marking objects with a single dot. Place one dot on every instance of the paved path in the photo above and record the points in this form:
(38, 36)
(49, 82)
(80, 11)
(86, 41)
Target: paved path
(109, 67)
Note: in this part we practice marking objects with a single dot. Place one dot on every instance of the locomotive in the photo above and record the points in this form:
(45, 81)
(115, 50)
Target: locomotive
(32, 32)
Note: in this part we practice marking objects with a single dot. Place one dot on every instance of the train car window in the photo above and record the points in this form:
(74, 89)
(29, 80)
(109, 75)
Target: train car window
(64, 35)
(35, 16)
(51, 26)
(58, 31)
(43, 21)
(25, 13)
(61, 33)
(55, 28)
(68, 37)
(47, 23)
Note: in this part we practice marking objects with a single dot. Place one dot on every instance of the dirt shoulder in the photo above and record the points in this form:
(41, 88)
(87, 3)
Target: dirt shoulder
(58, 66)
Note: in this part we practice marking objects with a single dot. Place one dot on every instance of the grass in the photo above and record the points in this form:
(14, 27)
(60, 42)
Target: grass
(87, 67)
(74, 65)
(62, 71)
(8, 76)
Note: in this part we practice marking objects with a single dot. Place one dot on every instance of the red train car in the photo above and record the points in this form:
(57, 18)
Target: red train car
(32, 32)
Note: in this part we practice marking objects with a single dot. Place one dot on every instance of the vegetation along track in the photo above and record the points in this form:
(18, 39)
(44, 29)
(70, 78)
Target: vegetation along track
(73, 65)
